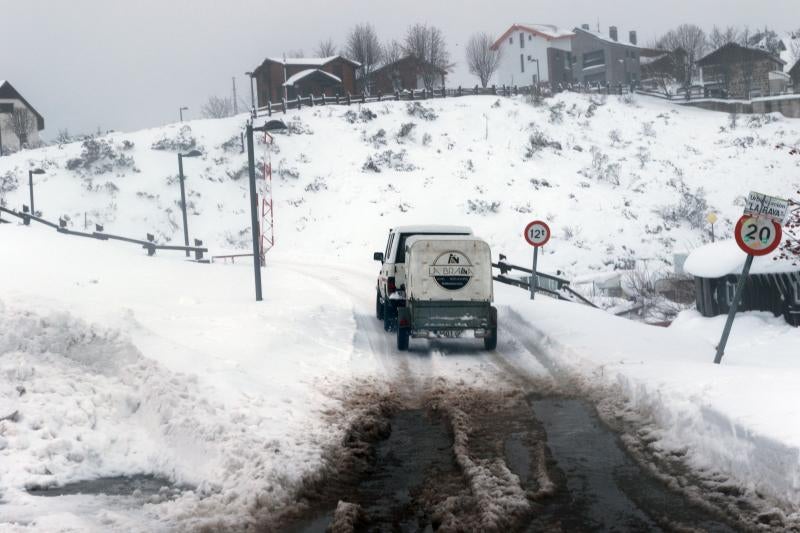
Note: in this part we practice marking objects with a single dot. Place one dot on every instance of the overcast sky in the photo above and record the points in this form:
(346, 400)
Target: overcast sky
(130, 64)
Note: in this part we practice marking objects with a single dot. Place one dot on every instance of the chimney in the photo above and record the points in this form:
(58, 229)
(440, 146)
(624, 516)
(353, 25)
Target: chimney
(632, 37)
(585, 26)
(612, 32)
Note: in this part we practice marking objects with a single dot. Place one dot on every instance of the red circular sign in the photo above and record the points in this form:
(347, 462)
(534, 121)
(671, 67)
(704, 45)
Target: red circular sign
(757, 236)
(537, 233)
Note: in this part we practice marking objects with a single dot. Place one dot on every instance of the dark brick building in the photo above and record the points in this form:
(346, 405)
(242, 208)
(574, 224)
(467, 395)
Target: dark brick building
(314, 75)
(736, 71)
(404, 74)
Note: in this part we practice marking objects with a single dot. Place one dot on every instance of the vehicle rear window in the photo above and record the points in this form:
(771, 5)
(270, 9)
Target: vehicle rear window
(401, 244)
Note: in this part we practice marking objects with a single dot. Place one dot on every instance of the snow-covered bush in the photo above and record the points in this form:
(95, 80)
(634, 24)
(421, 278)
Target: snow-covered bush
(363, 115)
(285, 171)
(615, 136)
(8, 183)
(691, 207)
(557, 112)
(482, 207)
(98, 157)
(182, 142)
(643, 156)
(388, 159)
(648, 130)
(233, 144)
(377, 139)
(295, 126)
(601, 169)
(416, 109)
(758, 121)
(743, 143)
(405, 132)
(733, 121)
(538, 141)
(426, 139)
(537, 184)
(317, 185)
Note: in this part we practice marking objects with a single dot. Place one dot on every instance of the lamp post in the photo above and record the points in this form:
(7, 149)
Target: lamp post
(30, 185)
(272, 125)
(181, 110)
(193, 153)
(252, 93)
(538, 78)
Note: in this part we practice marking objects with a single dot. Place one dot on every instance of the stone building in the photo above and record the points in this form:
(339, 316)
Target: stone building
(735, 71)
(603, 59)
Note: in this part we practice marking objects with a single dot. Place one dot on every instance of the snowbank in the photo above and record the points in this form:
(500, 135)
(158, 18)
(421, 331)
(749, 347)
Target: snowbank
(721, 258)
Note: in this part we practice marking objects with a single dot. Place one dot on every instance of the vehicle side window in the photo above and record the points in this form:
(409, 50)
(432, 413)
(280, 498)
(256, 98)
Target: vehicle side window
(386, 256)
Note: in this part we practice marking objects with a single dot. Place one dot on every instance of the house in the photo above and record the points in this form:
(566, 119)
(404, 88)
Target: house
(773, 283)
(534, 53)
(405, 74)
(659, 68)
(603, 59)
(286, 78)
(11, 100)
(736, 71)
(794, 73)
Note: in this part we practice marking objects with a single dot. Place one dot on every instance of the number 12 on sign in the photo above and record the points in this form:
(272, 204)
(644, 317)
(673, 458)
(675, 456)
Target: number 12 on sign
(537, 233)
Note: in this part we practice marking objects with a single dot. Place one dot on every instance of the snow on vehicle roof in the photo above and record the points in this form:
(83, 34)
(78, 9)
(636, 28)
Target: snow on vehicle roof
(432, 228)
(467, 238)
(721, 258)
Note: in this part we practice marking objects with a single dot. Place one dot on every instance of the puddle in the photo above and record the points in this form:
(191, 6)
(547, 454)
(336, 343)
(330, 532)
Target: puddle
(418, 450)
(145, 486)
(606, 489)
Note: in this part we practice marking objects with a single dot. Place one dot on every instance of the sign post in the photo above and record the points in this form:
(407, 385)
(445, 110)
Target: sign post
(711, 218)
(537, 233)
(755, 235)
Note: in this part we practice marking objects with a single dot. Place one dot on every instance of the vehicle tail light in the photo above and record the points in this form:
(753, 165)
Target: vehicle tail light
(404, 322)
(390, 286)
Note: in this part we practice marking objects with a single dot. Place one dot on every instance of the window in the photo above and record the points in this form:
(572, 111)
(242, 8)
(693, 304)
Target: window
(593, 59)
(522, 63)
(510, 40)
(530, 36)
(521, 40)
(7, 108)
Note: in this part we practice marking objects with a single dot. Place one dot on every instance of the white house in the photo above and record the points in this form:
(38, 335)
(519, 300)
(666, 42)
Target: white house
(10, 100)
(534, 52)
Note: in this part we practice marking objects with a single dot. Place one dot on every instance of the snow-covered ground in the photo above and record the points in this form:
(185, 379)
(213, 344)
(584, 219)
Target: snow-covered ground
(118, 363)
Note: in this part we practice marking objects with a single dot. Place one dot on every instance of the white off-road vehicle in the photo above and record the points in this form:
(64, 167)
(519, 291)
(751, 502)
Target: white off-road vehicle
(390, 289)
(449, 290)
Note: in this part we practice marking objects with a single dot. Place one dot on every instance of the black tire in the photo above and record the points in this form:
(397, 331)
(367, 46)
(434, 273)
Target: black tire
(378, 306)
(403, 338)
(490, 342)
(388, 315)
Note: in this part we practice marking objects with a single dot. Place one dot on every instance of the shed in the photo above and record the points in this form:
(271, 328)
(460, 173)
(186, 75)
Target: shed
(773, 284)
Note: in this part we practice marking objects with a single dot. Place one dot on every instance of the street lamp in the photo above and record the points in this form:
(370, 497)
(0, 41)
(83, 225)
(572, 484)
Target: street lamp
(252, 94)
(193, 153)
(30, 185)
(181, 110)
(538, 79)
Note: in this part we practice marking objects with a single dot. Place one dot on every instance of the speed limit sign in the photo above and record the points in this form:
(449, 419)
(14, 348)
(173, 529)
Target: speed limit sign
(757, 235)
(537, 233)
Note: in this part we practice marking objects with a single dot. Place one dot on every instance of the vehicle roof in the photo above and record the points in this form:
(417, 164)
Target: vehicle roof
(432, 228)
(418, 238)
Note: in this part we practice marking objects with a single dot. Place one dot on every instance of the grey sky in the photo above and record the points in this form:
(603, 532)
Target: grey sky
(130, 64)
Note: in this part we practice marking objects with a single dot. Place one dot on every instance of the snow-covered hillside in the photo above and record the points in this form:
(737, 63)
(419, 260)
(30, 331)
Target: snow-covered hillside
(617, 179)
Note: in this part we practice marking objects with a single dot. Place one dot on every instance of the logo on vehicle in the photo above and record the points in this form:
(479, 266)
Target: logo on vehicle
(451, 270)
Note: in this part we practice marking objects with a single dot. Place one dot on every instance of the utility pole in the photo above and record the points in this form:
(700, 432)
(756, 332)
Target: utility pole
(235, 105)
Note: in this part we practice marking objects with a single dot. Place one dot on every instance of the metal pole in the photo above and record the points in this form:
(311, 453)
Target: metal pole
(30, 186)
(712, 232)
(534, 282)
(183, 203)
(252, 94)
(251, 166)
(180, 112)
(734, 306)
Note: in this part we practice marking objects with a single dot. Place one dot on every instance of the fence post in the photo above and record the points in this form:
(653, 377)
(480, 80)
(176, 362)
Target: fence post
(299, 101)
(444, 92)
(269, 108)
(459, 90)
(380, 95)
(494, 89)
(348, 98)
(283, 101)
(311, 98)
(363, 97)
(323, 98)
(337, 97)
(412, 94)
(397, 96)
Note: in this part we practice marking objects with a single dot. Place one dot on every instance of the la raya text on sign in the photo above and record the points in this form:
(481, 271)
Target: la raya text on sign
(762, 205)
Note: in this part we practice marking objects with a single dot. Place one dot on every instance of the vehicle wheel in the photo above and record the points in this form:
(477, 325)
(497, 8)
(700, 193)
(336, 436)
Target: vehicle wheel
(403, 337)
(389, 315)
(378, 306)
(490, 342)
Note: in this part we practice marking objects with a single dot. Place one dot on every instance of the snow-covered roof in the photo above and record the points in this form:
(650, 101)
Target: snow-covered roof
(548, 31)
(310, 61)
(721, 258)
(433, 228)
(294, 78)
(604, 37)
(417, 238)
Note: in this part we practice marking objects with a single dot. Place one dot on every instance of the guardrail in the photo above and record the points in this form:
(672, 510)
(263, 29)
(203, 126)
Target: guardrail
(545, 283)
(149, 244)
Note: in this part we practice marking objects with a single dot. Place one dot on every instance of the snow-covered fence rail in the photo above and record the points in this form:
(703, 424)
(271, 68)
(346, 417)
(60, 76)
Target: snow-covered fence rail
(545, 283)
(418, 94)
(150, 244)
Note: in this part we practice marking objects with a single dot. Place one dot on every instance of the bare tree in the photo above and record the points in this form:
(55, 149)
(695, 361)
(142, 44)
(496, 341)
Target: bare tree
(719, 37)
(427, 44)
(482, 60)
(391, 52)
(326, 48)
(22, 123)
(692, 39)
(298, 52)
(363, 46)
(217, 107)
